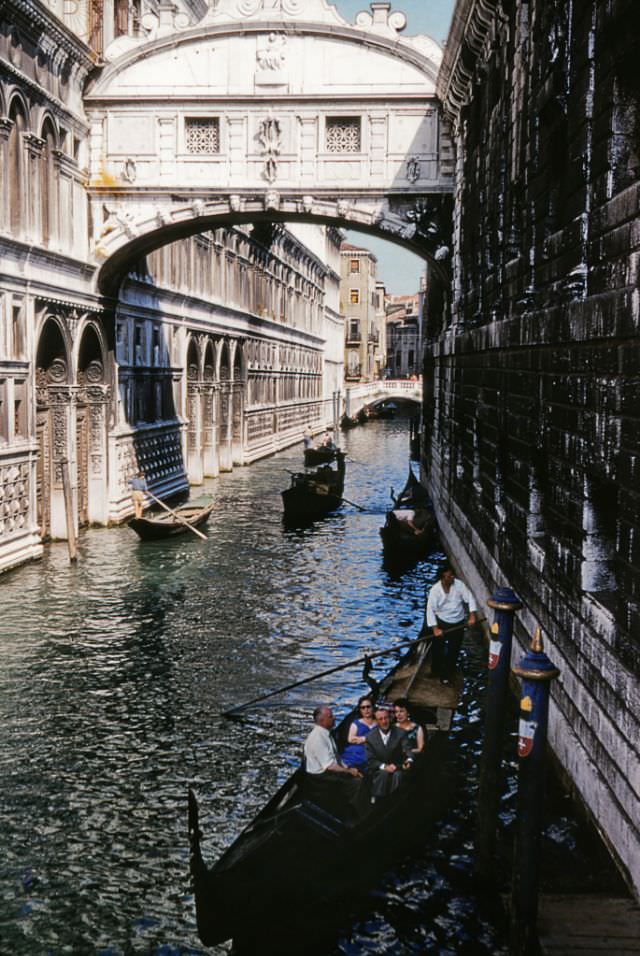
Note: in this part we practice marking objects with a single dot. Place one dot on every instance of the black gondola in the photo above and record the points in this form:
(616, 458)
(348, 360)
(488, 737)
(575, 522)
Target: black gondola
(319, 456)
(410, 528)
(296, 861)
(314, 494)
(158, 525)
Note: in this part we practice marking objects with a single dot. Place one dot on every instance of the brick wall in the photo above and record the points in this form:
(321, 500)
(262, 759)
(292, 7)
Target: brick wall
(533, 415)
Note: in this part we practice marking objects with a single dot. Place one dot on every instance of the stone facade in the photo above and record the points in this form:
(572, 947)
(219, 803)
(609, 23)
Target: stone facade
(404, 335)
(532, 374)
(360, 306)
(212, 355)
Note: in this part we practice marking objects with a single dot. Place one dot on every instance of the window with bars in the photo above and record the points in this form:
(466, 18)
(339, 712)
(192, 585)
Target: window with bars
(202, 134)
(343, 134)
(355, 265)
(354, 296)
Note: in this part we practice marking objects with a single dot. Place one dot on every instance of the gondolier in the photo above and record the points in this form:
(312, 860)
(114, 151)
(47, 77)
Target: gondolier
(450, 602)
(138, 487)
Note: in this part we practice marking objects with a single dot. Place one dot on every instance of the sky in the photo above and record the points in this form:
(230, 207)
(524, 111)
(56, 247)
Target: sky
(423, 16)
(398, 268)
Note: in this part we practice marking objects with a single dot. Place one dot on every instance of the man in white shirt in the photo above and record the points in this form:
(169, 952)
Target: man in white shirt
(450, 602)
(329, 782)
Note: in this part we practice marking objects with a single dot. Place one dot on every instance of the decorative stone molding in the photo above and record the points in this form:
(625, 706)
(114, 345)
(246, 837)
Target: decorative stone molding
(270, 136)
(469, 36)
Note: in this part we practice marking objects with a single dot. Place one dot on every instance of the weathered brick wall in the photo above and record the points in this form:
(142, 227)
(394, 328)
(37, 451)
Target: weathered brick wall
(533, 415)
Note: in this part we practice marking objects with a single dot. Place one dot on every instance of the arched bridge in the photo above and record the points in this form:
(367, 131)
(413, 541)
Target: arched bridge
(384, 390)
(267, 110)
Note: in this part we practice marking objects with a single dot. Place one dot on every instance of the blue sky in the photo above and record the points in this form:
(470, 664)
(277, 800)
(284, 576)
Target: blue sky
(398, 268)
(423, 16)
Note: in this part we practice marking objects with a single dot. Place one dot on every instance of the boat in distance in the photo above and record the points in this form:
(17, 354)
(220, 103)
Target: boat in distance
(158, 525)
(319, 456)
(410, 527)
(314, 494)
(296, 862)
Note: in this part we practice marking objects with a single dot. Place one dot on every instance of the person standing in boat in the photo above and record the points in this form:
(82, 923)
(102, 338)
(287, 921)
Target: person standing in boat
(354, 754)
(450, 603)
(329, 782)
(389, 754)
(138, 487)
(307, 437)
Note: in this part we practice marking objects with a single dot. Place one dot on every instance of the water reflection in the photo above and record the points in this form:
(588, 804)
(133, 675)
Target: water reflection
(114, 676)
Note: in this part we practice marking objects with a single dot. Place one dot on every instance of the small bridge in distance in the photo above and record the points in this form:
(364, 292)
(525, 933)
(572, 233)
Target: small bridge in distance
(383, 390)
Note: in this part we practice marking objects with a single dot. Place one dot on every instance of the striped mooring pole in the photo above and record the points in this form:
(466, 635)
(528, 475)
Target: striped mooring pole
(505, 604)
(537, 672)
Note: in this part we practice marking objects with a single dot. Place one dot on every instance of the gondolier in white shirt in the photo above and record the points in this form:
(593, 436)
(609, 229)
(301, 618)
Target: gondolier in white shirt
(450, 603)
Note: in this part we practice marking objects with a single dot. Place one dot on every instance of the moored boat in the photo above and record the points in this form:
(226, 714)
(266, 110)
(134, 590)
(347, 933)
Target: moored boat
(156, 525)
(296, 857)
(313, 494)
(410, 527)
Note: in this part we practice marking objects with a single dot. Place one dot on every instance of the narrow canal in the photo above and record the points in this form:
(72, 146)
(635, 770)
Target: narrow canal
(115, 671)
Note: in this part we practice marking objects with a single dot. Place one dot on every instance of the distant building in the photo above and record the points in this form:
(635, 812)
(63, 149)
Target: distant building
(404, 334)
(361, 307)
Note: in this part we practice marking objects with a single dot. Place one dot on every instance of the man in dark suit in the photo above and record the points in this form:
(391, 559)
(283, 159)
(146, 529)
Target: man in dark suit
(388, 755)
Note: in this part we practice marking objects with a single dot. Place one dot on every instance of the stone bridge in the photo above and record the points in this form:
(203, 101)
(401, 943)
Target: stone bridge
(384, 390)
(267, 110)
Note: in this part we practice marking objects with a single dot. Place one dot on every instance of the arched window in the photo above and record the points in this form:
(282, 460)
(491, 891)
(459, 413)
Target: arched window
(47, 184)
(16, 167)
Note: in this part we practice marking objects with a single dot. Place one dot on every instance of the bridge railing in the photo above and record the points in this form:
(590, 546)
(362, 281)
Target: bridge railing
(356, 396)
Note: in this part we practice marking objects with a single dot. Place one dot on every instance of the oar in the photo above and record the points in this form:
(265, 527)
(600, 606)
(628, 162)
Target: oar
(176, 515)
(346, 501)
(331, 670)
(424, 636)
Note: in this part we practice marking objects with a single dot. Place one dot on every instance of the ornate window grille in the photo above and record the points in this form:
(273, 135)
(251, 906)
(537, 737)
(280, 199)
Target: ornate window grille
(202, 134)
(343, 134)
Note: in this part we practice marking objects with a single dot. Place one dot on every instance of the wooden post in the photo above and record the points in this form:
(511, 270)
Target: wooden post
(68, 510)
(537, 672)
(505, 604)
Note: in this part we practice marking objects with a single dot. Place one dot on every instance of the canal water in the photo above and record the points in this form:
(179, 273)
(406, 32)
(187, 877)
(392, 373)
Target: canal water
(114, 673)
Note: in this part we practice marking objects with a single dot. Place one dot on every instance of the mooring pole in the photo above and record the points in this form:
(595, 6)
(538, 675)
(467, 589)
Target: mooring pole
(505, 604)
(537, 672)
(68, 510)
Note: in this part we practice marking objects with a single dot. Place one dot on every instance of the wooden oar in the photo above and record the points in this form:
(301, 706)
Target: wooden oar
(424, 636)
(331, 670)
(176, 515)
(346, 501)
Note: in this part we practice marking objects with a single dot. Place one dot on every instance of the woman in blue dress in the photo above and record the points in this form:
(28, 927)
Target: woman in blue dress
(354, 754)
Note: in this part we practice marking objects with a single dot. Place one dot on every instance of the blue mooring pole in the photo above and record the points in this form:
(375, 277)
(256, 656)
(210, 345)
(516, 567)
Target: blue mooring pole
(537, 672)
(505, 604)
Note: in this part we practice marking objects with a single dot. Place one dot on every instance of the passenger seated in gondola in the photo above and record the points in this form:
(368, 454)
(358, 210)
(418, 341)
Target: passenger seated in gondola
(328, 782)
(327, 440)
(354, 754)
(388, 755)
(414, 732)
(418, 520)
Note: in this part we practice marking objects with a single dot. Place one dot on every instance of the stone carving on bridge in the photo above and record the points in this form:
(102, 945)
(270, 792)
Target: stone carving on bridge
(271, 200)
(413, 169)
(307, 204)
(271, 61)
(270, 137)
(235, 203)
(129, 170)
(382, 20)
(433, 220)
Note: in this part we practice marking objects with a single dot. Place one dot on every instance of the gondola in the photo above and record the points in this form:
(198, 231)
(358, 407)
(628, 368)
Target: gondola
(314, 494)
(319, 456)
(296, 862)
(410, 527)
(164, 525)
(347, 422)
